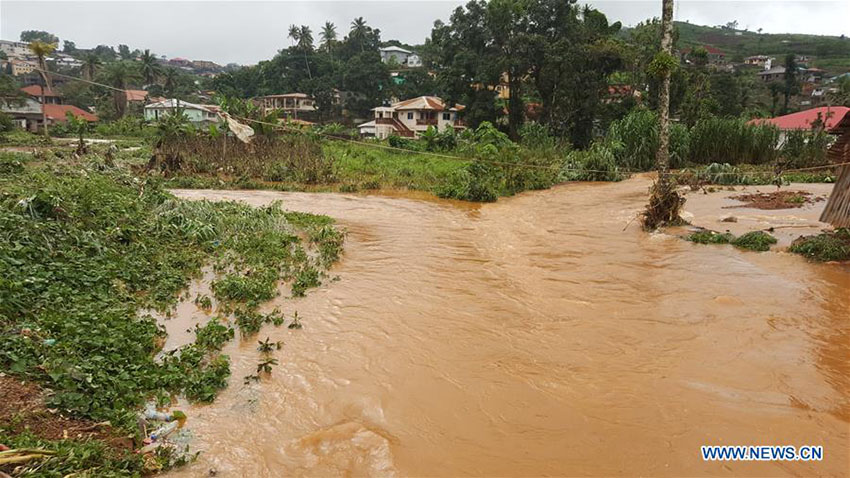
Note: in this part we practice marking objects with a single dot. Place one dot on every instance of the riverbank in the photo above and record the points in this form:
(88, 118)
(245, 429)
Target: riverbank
(90, 255)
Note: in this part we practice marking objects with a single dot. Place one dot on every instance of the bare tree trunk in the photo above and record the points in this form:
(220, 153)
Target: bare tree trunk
(664, 200)
(43, 114)
(662, 156)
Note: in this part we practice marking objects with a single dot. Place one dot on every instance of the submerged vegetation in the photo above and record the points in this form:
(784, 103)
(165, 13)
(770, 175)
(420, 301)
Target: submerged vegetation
(754, 241)
(825, 247)
(87, 249)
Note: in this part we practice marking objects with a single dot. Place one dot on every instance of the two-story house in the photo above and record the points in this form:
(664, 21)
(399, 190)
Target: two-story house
(410, 118)
(294, 105)
(51, 97)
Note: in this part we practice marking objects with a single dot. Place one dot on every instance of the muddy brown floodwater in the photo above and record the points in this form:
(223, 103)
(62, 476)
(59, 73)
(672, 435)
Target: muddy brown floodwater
(535, 336)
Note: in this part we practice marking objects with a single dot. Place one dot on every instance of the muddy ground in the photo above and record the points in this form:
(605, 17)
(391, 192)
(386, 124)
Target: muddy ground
(760, 208)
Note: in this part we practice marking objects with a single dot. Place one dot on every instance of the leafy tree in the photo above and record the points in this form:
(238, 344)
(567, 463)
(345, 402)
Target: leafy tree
(124, 52)
(39, 35)
(69, 46)
(105, 52)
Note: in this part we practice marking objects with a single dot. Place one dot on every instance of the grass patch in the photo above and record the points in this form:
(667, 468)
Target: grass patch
(826, 247)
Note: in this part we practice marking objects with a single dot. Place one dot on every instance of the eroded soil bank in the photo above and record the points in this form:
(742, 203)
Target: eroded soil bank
(536, 336)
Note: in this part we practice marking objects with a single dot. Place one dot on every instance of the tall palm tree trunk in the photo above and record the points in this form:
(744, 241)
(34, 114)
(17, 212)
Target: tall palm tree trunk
(664, 201)
(662, 156)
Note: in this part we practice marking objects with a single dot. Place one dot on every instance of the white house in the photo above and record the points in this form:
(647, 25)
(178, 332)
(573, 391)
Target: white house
(199, 115)
(414, 61)
(367, 129)
(395, 53)
(410, 118)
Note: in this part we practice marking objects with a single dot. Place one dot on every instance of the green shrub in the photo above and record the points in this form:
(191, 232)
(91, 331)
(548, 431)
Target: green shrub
(595, 164)
(477, 182)
(711, 237)
(826, 247)
(804, 149)
(755, 241)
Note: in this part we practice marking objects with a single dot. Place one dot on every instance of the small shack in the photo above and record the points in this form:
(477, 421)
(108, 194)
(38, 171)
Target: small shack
(837, 210)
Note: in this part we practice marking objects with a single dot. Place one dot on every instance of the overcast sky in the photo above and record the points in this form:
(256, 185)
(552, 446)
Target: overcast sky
(248, 31)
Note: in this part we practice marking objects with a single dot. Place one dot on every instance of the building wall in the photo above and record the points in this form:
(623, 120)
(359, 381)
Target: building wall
(194, 115)
(400, 58)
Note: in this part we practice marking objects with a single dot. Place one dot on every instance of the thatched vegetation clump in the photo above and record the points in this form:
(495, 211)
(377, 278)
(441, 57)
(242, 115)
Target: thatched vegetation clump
(664, 206)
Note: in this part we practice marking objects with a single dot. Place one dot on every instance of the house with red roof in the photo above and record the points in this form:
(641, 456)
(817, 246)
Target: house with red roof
(59, 113)
(410, 118)
(51, 96)
(715, 56)
(827, 116)
(137, 96)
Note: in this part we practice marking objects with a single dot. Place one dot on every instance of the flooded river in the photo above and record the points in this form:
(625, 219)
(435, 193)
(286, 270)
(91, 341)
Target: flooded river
(544, 334)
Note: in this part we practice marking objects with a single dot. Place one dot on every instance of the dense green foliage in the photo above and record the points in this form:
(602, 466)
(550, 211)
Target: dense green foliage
(829, 246)
(86, 251)
(755, 241)
(710, 237)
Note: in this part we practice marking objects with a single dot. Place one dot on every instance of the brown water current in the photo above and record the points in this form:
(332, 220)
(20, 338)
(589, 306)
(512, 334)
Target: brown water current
(538, 335)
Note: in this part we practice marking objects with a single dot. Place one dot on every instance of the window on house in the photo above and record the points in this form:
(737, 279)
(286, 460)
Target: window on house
(410, 115)
(447, 116)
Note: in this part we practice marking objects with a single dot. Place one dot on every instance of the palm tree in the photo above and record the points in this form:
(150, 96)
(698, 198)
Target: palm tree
(169, 81)
(665, 202)
(149, 67)
(91, 62)
(328, 36)
(305, 38)
(358, 31)
(294, 34)
(119, 75)
(41, 49)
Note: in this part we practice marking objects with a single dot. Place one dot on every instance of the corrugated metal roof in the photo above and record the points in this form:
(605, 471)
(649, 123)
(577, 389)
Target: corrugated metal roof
(35, 90)
(830, 115)
(58, 112)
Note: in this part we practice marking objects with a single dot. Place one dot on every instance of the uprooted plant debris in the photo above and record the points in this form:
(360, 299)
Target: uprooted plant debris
(776, 200)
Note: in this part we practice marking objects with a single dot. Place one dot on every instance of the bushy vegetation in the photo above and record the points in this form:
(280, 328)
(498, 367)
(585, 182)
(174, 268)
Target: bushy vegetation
(711, 237)
(829, 246)
(732, 141)
(754, 241)
(85, 250)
